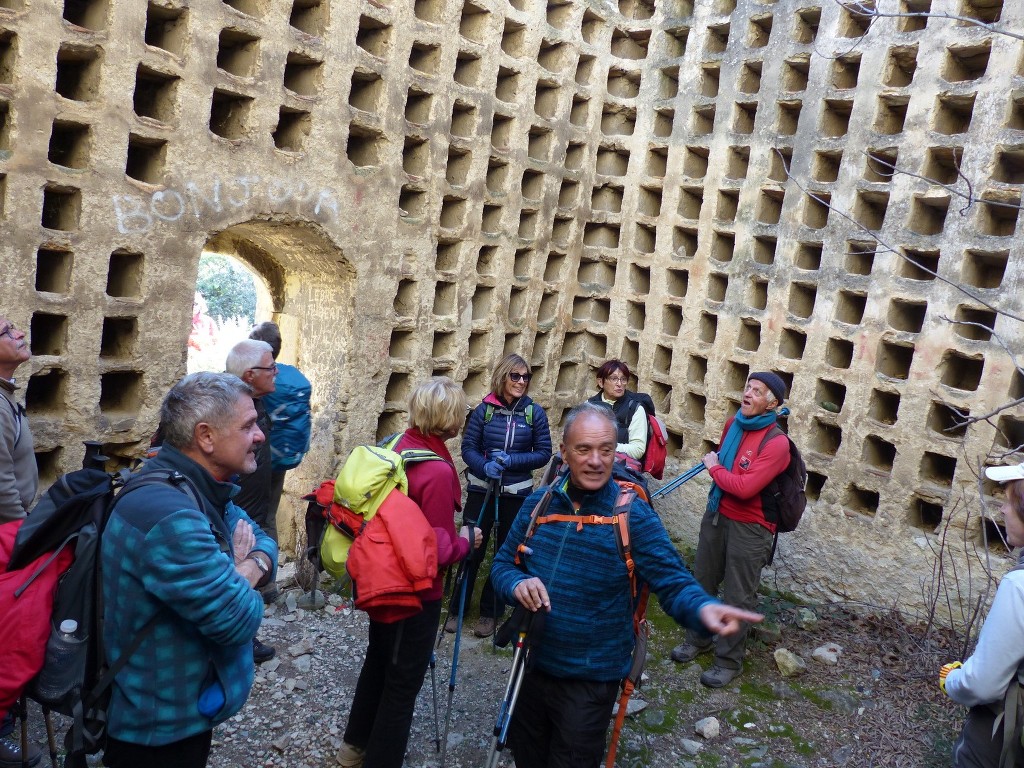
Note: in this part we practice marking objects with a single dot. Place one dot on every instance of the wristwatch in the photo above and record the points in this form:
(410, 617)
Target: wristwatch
(264, 568)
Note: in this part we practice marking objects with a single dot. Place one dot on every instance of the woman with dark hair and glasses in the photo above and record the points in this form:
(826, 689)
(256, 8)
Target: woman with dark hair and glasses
(630, 417)
(506, 438)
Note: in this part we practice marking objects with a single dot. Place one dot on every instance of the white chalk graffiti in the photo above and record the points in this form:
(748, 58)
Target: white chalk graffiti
(138, 214)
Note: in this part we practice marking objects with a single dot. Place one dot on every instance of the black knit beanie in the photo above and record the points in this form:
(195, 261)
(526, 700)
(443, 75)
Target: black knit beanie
(774, 382)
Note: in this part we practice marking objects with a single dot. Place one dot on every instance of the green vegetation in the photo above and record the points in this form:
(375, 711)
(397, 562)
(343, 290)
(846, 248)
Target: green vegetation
(228, 287)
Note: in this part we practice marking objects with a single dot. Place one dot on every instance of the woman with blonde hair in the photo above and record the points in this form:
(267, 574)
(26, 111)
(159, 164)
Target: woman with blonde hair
(991, 676)
(507, 437)
(399, 652)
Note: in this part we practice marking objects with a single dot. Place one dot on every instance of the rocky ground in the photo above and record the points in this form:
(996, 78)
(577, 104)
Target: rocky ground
(878, 705)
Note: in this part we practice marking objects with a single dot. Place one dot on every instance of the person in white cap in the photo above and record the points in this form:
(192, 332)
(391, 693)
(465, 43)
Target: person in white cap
(989, 682)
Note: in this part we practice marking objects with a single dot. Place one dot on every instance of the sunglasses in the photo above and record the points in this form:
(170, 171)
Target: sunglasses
(517, 377)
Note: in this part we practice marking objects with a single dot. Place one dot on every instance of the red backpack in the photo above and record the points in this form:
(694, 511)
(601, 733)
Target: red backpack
(657, 438)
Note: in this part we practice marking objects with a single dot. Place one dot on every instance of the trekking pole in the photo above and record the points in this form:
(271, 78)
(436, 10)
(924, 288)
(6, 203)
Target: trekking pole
(460, 576)
(433, 691)
(458, 592)
(508, 701)
(494, 554)
(670, 486)
(51, 741)
(461, 586)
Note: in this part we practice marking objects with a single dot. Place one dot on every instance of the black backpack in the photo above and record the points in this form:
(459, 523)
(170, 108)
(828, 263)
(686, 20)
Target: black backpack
(785, 498)
(75, 679)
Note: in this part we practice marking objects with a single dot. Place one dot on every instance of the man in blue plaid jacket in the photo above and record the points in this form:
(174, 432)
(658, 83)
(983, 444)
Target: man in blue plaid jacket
(196, 571)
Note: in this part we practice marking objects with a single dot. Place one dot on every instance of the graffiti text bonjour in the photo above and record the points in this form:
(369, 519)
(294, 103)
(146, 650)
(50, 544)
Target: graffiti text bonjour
(137, 214)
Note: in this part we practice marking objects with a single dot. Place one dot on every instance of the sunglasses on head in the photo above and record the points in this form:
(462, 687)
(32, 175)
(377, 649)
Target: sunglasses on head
(517, 377)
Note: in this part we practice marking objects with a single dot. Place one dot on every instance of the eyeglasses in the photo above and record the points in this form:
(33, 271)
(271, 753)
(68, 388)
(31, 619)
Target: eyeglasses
(265, 368)
(10, 330)
(517, 377)
(616, 380)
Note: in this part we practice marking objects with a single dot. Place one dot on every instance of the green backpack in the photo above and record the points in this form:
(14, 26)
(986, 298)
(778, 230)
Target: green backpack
(366, 478)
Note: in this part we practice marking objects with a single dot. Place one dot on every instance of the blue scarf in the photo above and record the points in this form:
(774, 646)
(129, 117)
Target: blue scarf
(731, 445)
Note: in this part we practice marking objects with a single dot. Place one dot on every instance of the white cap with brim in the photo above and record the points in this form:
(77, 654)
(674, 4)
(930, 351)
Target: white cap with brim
(1005, 474)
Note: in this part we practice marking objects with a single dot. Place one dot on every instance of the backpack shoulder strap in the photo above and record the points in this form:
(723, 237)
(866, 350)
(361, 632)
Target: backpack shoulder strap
(537, 517)
(415, 455)
(169, 477)
(775, 431)
(641, 629)
(490, 410)
(620, 514)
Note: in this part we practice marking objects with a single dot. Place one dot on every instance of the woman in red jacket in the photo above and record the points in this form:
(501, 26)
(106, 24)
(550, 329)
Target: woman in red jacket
(399, 652)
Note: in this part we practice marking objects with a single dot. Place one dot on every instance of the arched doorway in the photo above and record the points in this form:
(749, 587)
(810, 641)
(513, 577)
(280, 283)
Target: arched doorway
(310, 287)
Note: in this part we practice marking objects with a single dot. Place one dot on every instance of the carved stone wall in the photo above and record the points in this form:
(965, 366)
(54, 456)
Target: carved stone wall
(702, 189)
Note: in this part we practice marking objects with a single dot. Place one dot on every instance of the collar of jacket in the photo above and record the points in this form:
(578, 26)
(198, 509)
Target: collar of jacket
(518, 406)
(413, 438)
(215, 492)
(8, 385)
(604, 497)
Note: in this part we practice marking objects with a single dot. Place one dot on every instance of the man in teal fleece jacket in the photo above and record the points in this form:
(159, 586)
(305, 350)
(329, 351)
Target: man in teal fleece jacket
(194, 569)
(576, 574)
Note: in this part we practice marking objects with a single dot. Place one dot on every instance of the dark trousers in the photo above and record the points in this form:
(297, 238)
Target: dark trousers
(192, 752)
(977, 747)
(269, 525)
(508, 508)
(561, 723)
(730, 555)
(397, 658)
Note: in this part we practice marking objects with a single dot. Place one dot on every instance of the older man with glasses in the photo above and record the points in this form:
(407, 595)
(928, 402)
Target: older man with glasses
(253, 362)
(19, 480)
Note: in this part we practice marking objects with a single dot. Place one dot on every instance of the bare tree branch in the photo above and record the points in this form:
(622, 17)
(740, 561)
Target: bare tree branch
(892, 249)
(868, 11)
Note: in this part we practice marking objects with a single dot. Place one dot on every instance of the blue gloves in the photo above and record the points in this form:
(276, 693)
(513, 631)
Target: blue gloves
(501, 457)
(493, 470)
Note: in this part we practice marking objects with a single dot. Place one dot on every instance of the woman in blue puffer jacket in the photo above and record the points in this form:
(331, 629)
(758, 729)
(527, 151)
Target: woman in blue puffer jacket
(505, 439)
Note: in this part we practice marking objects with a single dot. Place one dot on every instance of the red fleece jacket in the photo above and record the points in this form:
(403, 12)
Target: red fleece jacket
(434, 485)
(751, 473)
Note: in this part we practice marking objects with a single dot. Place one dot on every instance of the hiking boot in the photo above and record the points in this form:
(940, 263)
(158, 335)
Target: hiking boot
(484, 627)
(687, 652)
(349, 756)
(261, 652)
(717, 676)
(451, 625)
(10, 754)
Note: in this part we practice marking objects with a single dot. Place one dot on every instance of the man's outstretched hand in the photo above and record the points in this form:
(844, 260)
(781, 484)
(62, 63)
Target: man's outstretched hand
(721, 619)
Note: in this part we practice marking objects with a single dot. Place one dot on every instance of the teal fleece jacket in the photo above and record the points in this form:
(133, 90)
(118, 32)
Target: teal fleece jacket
(161, 555)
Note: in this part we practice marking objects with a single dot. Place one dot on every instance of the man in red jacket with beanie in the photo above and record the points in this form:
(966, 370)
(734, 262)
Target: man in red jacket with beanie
(735, 537)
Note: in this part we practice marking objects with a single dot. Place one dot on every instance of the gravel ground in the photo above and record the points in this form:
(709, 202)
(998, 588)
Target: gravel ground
(879, 706)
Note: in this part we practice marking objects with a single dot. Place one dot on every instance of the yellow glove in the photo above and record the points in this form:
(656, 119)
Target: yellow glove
(944, 672)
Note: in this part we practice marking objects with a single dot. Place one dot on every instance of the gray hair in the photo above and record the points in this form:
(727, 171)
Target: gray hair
(587, 408)
(198, 398)
(246, 355)
(270, 333)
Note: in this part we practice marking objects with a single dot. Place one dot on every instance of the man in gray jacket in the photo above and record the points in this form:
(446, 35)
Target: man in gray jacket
(19, 481)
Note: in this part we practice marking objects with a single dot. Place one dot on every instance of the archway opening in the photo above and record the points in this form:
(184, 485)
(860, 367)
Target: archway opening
(229, 297)
(304, 283)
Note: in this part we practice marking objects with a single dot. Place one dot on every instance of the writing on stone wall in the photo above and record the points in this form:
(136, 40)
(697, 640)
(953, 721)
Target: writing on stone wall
(137, 214)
